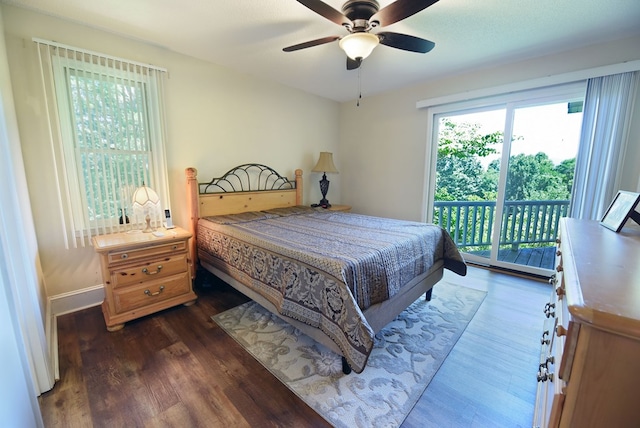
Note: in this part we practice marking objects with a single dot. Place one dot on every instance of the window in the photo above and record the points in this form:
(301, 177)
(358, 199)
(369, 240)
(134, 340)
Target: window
(107, 124)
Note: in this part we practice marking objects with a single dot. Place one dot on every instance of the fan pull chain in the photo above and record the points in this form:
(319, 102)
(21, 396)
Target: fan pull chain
(359, 85)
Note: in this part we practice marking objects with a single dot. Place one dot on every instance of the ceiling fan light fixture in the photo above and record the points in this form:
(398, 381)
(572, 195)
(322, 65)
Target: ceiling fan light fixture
(359, 45)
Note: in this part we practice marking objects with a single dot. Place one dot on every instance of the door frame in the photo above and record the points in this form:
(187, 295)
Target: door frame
(509, 102)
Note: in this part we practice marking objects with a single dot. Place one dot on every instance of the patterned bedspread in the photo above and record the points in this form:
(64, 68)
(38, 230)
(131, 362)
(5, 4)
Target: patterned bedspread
(323, 267)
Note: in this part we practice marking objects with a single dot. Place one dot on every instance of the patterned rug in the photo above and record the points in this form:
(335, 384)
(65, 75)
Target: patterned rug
(407, 354)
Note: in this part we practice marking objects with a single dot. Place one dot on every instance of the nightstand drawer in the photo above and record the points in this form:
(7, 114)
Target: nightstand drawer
(126, 256)
(151, 292)
(149, 271)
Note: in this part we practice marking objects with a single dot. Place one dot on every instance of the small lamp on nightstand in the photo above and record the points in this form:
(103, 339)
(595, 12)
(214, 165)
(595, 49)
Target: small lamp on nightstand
(325, 165)
(145, 203)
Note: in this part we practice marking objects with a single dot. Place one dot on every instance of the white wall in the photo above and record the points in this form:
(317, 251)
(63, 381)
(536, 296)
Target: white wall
(216, 119)
(383, 142)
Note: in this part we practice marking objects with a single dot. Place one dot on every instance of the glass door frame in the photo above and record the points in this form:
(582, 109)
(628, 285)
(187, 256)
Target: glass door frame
(508, 102)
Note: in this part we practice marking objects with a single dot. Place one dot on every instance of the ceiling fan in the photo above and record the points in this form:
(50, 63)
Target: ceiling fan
(359, 17)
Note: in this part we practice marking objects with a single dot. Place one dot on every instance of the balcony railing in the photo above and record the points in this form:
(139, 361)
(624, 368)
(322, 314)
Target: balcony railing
(527, 223)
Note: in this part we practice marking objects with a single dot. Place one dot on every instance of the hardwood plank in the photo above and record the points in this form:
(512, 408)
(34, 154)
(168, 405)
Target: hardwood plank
(204, 398)
(179, 368)
(246, 381)
(177, 416)
(488, 379)
(67, 405)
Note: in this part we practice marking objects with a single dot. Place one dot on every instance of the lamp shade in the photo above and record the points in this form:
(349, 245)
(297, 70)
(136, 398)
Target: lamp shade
(325, 163)
(359, 45)
(145, 203)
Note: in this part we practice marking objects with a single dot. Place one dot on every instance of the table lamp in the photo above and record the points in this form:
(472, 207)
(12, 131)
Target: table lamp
(145, 203)
(325, 165)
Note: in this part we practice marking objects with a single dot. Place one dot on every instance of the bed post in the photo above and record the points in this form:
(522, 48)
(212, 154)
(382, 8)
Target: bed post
(193, 205)
(299, 187)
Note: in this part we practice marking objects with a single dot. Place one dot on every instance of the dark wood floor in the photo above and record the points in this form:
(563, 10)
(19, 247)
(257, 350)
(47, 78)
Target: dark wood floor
(178, 368)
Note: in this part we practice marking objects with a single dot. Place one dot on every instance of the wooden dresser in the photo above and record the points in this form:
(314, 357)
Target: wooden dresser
(143, 274)
(589, 373)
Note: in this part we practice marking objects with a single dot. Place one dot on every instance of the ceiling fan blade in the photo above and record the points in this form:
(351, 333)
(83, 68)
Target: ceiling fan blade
(311, 43)
(327, 11)
(399, 10)
(405, 42)
(353, 64)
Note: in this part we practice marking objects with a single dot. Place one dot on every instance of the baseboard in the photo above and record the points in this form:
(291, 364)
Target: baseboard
(76, 300)
(51, 331)
(63, 304)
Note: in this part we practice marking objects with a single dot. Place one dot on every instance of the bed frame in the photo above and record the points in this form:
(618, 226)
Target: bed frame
(256, 187)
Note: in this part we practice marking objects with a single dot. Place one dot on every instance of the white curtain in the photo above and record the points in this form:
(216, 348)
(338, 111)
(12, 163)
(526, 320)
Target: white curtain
(26, 357)
(607, 111)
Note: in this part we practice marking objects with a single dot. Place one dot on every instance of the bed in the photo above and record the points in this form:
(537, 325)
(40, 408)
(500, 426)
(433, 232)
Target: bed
(338, 277)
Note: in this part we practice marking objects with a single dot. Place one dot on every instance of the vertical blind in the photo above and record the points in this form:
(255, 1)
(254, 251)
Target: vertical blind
(107, 132)
(608, 108)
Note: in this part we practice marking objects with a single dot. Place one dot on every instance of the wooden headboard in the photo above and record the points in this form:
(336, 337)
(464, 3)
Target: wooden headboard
(248, 187)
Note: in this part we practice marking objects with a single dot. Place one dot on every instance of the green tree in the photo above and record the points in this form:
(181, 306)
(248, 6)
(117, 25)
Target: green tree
(490, 181)
(533, 177)
(463, 140)
(460, 175)
(566, 170)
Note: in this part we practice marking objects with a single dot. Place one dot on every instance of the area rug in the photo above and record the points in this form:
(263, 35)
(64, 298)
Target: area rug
(408, 352)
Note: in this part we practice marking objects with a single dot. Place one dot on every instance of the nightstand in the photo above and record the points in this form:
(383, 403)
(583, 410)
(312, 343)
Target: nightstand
(143, 273)
(345, 208)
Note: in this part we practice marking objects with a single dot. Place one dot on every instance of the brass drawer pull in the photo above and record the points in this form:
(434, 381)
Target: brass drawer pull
(124, 256)
(544, 376)
(545, 365)
(543, 339)
(146, 271)
(149, 293)
(549, 310)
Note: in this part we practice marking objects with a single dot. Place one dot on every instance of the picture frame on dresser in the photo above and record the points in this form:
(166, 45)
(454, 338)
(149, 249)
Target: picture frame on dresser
(621, 209)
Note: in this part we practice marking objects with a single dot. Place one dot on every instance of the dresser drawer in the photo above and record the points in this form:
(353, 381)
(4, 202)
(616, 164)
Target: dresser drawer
(550, 395)
(151, 292)
(546, 376)
(149, 271)
(126, 256)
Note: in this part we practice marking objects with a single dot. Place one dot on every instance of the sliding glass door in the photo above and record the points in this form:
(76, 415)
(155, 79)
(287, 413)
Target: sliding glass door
(503, 175)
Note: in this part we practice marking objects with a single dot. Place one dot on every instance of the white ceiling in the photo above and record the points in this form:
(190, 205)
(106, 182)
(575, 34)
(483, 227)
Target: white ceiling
(248, 35)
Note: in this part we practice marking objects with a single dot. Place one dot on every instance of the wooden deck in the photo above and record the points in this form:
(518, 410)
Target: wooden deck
(537, 257)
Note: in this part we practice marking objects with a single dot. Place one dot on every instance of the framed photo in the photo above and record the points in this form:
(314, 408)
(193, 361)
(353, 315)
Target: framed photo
(621, 209)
